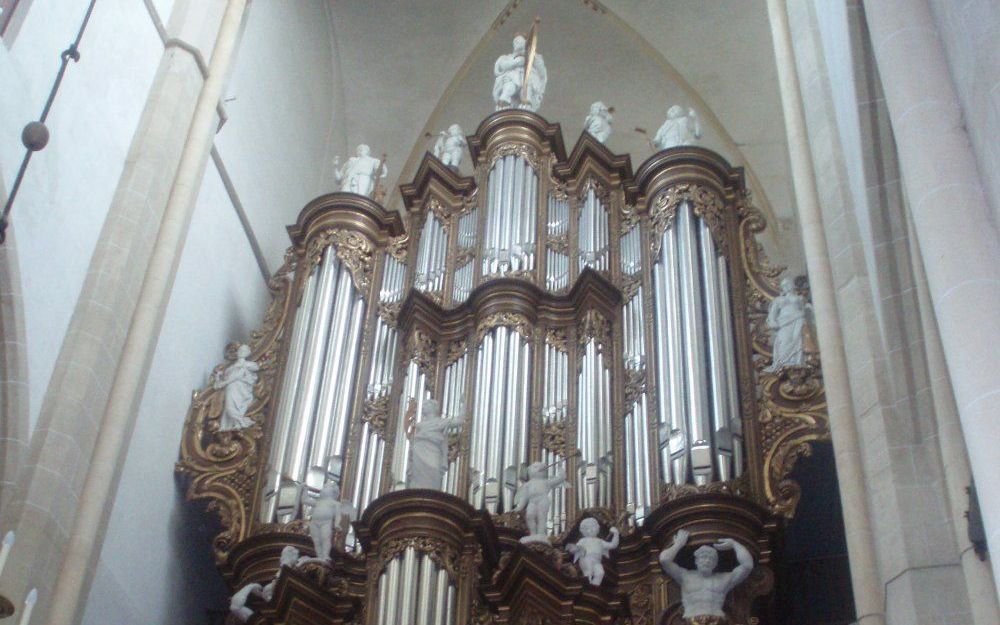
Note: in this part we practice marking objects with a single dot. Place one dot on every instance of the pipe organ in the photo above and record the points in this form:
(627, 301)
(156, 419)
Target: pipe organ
(565, 310)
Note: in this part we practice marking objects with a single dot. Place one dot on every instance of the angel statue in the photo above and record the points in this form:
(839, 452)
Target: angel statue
(327, 516)
(237, 380)
(590, 550)
(448, 148)
(532, 498)
(360, 173)
(238, 604)
(598, 122)
(703, 591)
(509, 89)
(787, 318)
(680, 128)
(429, 445)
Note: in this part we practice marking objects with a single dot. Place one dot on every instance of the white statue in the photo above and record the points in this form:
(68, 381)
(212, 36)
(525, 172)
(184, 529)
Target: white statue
(509, 72)
(328, 514)
(703, 591)
(680, 128)
(598, 122)
(238, 381)
(359, 173)
(429, 446)
(787, 318)
(238, 604)
(532, 498)
(450, 145)
(590, 550)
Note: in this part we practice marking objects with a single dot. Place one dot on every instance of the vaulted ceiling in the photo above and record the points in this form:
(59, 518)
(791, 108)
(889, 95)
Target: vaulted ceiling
(411, 68)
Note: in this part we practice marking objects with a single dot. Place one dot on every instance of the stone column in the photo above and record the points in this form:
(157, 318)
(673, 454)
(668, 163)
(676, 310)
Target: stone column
(961, 249)
(868, 593)
(140, 343)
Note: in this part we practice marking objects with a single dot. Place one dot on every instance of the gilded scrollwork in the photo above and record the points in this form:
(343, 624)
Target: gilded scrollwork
(704, 202)
(422, 349)
(635, 385)
(442, 553)
(376, 413)
(518, 322)
(558, 243)
(398, 247)
(554, 438)
(456, 349)
(595, 326)
(738, 487)
(388, 312)
(522, 150)
(353, 249)
(558, 338)
(223, 466)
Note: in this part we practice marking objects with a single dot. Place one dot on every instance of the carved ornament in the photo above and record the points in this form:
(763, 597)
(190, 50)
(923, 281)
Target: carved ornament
(705, 203)
(522, 150)
(443, 554)
(376, 413)
(353, 249)
(518, 322)
(422, 349)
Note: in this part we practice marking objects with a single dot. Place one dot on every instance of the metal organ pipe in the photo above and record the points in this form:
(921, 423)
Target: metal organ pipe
(672, 396)
(729, 357)
(719, 382)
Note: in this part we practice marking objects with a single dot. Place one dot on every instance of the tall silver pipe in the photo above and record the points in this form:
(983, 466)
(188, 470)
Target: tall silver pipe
(338, 437)
(673, 435)
(481, 423)
(426, 595)
(441, 598)
(719, 383)
(383, 593)
(449, 616)
(408, 586)
(699, 425)
(296, 454)
(391, 578)
(512, 231)
(494, 452)
(525, 399)
(729, 357)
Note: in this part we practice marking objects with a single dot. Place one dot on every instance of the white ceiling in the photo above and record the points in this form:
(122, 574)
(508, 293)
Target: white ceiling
(408, 68)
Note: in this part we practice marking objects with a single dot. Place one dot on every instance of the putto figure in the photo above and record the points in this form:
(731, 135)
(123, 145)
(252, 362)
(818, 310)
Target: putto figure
(598, 122)
(238, 604)
(429, 446)
(590, 550)
(449, 146)
(509, 90)
(360, 173)
(787, 318)
(327, 516)
(680, 128)
(238, 381)
(532, 498)
(703, 591)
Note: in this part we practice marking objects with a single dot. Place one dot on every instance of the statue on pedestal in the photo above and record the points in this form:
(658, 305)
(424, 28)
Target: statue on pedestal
(429, 446)
(680, 128)
(590, 550)
(703, 591)
(360, 173)
(449, 146)
(238, 381)
(238, 604)
(787, 318)
(532, 498)
(598, 122)
(328, 514)
(511, 88)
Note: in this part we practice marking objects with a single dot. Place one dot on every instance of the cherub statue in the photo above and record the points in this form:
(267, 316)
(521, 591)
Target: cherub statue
(703, 591)
(680, 128)
(509, 81)
(238, 604)
(360, 173)
(429, 446)
(449, 146)
(328, 515)
(237, 380)
(590, 550)
(598, 122)
(787, 318)
(532, 498)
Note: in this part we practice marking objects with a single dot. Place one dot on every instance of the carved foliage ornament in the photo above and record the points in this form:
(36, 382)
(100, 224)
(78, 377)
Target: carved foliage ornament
(705, 203)
(422, 349)
(443, 554)
(223, 466)
(522, 150)
(353, 249)
(376, 413)
(594, 326)
(516, 321)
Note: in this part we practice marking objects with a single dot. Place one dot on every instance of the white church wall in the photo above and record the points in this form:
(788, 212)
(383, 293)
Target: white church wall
(62, 202)
(154, 542)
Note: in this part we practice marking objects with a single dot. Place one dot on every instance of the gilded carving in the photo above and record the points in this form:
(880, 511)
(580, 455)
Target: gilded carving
(554, 438)
(388, 312)
(558, 243)
(376, 413)
(522, 150)
(518, 322)
(558, 338)
(353, 249)
(739, 487)
(398, 246)
(595, 326)
(456, 349)
(629, 285)
(705, 203)
(443, 554)
(422, 349)
(635, 384)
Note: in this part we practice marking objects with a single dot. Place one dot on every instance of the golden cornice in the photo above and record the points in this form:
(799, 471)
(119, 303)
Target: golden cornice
(516, 126)
(685, 164)
(346, 211)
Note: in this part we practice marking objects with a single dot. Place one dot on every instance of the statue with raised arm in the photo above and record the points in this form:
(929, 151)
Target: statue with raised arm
(237, 380)
(429, 446)
(598, 122)
(508, 84)
(532, 499)
(360, 173)
(680, 128)
(328, 515)
(703, 591)
(590, 550)
(787, 318)
(238, 604)
(449, 146)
